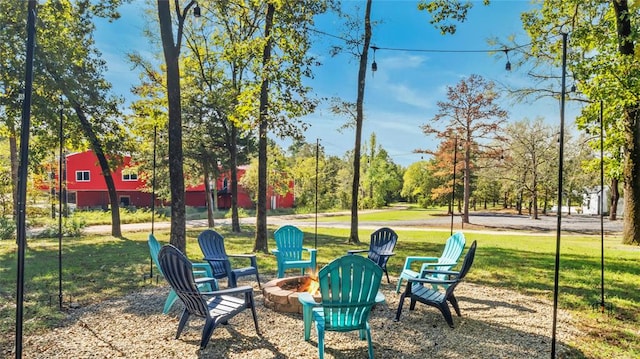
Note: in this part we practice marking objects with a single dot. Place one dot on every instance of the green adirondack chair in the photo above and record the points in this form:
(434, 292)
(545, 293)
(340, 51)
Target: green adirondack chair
(202, 272)
(290, 250)
(349, 289)
(450, 254)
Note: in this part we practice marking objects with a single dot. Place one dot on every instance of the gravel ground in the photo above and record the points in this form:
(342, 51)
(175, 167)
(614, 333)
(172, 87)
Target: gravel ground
(495, 323)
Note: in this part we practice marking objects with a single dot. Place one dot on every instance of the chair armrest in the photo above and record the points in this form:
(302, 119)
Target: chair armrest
(202, 268)
(306, 299)
(430, 281)
(241, 255)
(215, 259)
(236, 290)
(445, 272)
(386, 254)
(251, 257)
(352, 251)
(444, 264)
(203, 280)
(309, 249)
(275, 252)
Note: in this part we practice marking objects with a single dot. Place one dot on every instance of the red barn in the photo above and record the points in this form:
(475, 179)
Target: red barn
(86, 187)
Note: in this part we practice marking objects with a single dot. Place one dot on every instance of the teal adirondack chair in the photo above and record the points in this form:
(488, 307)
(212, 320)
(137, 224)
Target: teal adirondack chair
(290, 249)
(349, 289)
(450, 254)
(201, 270)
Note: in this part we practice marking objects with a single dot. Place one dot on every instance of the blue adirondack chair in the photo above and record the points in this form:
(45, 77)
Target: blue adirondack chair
(349, 289)
(383, 241)
(215, 307)
(202, 272)
(290, 249)
(212, 246)
(450, 254)
(442, 294)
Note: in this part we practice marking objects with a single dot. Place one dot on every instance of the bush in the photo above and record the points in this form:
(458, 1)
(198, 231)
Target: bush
(72, 227)
(7, 228)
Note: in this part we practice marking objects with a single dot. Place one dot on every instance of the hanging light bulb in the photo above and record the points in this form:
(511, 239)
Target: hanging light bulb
(507, 66)
(374, 65)
(196, 10)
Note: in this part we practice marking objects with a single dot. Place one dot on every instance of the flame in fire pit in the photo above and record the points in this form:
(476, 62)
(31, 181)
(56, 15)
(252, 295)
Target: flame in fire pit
(310, 284)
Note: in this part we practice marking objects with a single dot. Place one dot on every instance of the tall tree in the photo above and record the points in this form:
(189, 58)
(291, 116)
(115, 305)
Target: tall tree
(472, 114)
(602, 40)
(171, 45)
(531, 147)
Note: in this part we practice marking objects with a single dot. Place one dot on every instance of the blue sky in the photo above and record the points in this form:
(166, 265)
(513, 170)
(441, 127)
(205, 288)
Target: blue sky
(401, 96)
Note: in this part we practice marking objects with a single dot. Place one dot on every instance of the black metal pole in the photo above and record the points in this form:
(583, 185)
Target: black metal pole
(60, 199)
(317, 161)
(453, 188)
(559, 215)
(601, 207)
(153, 194)
(22, 170)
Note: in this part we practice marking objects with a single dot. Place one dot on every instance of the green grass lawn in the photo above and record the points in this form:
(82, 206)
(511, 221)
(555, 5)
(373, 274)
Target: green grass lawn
(98, 267)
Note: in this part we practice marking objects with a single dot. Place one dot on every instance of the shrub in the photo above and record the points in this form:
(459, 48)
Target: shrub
(7, 228)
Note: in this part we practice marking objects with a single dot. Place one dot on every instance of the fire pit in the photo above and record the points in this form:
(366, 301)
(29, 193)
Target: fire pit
(282, 294)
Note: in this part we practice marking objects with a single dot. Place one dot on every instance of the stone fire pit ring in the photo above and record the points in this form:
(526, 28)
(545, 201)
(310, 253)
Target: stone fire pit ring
(281, 294)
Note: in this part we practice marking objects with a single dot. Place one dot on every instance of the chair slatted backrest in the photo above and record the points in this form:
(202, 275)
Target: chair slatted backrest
(178, 272)
(154, 249)
(466, 265)
(452, 251)
(212, 245)
(289, 241)
(383, 240)
(348, 287)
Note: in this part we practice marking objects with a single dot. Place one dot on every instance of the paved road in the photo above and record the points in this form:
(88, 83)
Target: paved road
(479, 221)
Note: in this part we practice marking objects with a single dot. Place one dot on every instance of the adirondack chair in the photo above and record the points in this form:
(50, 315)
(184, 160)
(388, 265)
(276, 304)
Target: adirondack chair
(202, 272)
(383, 241)
(418, 292)
(349, 289)
(289, 250)
(215, 307)
(212, 246)
(450, 254)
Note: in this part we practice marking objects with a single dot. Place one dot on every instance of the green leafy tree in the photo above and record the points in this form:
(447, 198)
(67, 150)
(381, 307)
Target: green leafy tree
(418, 182)
(531, 148)
(603, 59)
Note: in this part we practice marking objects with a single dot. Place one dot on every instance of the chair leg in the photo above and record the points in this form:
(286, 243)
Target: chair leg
(209, 326)
(307, 319)
(249, 299)
(369, 340)
(183, 320)
(454, 303)
(399, 284)
(401, 302)
(258, 278)
(280, 271)
(387, 273)
(171, 299)
(320, 342)
(446, 312)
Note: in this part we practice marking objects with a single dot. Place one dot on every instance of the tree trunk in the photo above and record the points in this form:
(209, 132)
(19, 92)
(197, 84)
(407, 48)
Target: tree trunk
(233, 156)
(466, 191)
(260, 243)
(13, 148)
(631, 175)
(615, 196)
(208, 196)
(631, 172)
(171, 51)
(362, 74)
(104, 167)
